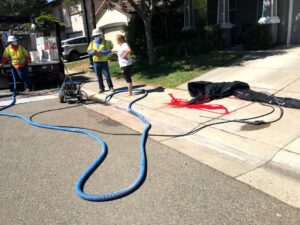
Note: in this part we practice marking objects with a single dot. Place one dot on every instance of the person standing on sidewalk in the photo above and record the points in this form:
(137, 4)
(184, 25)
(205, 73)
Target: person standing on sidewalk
(125, 61)
(19, 59)
(100, 50)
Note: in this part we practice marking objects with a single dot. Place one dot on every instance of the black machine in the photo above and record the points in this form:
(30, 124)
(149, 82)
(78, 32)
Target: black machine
(71, 91)
(203, 92)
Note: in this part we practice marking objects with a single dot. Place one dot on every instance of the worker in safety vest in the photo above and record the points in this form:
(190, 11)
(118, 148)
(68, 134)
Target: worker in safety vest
(19, 59)
(100, 50)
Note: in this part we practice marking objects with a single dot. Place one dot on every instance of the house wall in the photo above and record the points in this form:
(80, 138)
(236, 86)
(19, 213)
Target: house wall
(247, 13)
(58, 12)
(76, 17)
(283, 14)
(295, 35)
(72, 17)
(66, 16)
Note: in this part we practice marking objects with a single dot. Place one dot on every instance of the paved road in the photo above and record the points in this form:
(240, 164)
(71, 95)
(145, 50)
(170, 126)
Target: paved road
(6, 94)
(42, 89)
(39, 168)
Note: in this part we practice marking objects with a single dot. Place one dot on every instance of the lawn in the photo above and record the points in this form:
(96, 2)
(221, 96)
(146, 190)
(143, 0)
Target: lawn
(168, 72)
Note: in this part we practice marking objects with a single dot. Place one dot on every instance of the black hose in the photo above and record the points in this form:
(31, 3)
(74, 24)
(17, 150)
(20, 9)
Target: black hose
(191, 132)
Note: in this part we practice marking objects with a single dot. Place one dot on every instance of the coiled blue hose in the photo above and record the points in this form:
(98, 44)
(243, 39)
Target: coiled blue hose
(79, 187)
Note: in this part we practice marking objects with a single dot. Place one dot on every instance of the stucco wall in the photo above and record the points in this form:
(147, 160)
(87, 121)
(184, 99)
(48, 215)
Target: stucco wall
(77, 23)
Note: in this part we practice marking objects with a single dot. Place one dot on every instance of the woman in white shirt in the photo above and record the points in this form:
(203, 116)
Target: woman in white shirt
(125, 61)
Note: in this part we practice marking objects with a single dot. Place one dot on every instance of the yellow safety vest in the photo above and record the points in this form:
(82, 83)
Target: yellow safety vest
(103, 46)
(17, 57)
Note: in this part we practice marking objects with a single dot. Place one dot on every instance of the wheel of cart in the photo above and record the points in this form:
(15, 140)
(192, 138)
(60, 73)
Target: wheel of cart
(83, 96)
(61, 96)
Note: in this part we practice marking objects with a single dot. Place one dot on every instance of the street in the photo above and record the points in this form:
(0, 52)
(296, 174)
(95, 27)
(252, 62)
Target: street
(39, 169)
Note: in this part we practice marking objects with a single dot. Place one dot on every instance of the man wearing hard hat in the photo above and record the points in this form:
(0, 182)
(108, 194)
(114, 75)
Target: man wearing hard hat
(100, 50)
(19, 59)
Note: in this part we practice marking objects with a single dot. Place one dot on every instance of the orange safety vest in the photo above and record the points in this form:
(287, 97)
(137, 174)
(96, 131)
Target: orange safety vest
(18, 57)
(103, 46)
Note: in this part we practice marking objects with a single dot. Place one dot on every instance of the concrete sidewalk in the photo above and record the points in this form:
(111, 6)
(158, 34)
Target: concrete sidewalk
(265, 157)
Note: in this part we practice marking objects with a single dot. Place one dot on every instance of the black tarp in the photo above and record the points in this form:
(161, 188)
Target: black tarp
(203, 92)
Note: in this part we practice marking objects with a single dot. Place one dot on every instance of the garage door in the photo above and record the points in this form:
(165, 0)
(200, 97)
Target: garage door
(111, 33)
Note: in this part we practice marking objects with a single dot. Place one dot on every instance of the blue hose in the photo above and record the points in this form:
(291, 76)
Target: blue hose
(79, 187)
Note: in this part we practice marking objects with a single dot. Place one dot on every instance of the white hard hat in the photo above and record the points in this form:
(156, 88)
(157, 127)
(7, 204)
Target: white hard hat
(96, 32)
(11, 38)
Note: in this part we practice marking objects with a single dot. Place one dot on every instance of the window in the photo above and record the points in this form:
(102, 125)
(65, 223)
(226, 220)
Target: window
(188, 14)
(76, 41)
(74, 34)
(71, 42)
(84, 40)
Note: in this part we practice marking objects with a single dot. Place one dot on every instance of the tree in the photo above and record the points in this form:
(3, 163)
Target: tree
(45, 23)
(145, 9)
(21, 7)
(24, 8)
(168, 8)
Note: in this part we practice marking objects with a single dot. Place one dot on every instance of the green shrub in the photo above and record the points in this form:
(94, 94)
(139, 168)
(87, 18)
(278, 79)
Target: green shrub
(257, 37)
(135, 36)
(168, 37)
(214, 36)
(193, 42)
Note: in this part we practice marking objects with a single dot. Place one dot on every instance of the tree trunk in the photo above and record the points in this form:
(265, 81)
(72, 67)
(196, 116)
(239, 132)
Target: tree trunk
(149, 40)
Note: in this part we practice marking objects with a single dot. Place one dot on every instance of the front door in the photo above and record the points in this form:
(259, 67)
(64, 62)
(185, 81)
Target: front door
(243, 14)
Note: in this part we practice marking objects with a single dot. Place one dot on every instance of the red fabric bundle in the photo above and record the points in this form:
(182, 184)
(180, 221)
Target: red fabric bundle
(205, 107)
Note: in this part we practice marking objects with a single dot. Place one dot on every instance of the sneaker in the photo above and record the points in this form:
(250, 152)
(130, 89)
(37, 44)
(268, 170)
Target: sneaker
(112, 89)
(101, 91)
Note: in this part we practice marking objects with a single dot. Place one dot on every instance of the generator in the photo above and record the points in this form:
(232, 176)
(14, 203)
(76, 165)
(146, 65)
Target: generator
(70, 91)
